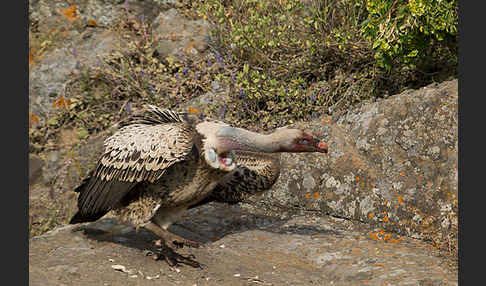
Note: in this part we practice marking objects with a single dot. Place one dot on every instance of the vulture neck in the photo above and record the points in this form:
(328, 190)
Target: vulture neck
(230, 138)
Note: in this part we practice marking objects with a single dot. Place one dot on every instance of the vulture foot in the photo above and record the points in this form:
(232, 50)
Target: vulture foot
(173, 258)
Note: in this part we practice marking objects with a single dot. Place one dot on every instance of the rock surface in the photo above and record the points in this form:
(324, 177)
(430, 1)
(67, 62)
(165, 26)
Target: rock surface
(239, 248)
(177, 34)
(77, 44)
(391, 163)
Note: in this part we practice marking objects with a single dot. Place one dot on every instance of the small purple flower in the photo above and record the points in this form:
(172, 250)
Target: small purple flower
(218, 58)
(208, 62)
(229, 58)
(75, 52)
(196, 76)
(312, 97)
(242, 95)
(128, 107)
(142, 17)
(232, 78)
(223, 112)
(314, 115)
(351, 77)
(177, 76)
(185, 70)
(287, 90)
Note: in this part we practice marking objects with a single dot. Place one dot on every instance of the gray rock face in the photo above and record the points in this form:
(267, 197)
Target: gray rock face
(240, 248)
(177, 34)
(35, 168)
(80, 46)
(391, 163)
(48, 78)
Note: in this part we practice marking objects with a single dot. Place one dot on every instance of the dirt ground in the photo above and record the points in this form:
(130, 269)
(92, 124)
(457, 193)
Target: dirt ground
(238, 248)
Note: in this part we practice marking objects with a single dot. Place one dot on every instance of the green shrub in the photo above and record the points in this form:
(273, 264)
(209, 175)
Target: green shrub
(290, 59)
(417, 33)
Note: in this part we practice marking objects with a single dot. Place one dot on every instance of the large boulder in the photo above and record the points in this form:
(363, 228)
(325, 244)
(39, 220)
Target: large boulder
(78, 37)
(178, 34)
(391, 163)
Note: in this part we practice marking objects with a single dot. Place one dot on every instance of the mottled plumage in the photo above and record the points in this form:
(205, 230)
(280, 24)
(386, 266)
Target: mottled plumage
(160, 164)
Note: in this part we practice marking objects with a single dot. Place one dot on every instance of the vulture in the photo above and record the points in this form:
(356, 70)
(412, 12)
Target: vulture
(162, 163)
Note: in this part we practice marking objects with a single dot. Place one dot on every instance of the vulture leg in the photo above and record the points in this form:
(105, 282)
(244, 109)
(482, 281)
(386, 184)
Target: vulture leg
(171, 257)
(161, 221)
(175, 239)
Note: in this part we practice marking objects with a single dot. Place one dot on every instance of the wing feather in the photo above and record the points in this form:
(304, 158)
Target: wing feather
(136, 153)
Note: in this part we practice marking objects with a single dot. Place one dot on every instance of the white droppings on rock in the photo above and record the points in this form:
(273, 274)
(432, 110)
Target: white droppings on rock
(351, 209)
(363, 145)
(349, 178)
(366, 205)
(397, 185)
(332, 183)
(342, 189)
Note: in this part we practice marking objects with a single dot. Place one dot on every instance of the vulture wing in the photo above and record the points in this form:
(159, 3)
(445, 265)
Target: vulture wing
(137, 153)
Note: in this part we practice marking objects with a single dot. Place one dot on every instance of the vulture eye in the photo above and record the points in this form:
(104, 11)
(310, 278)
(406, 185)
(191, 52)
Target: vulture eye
(303, 141)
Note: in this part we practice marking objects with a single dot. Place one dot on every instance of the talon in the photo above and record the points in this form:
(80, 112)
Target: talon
(148, 253)
(158, 243)
(203, 266)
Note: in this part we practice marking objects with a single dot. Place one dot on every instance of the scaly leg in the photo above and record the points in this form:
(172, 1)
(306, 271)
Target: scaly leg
(168, 236)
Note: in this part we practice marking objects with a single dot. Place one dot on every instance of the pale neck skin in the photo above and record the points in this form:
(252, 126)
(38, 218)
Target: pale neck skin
(231, 138)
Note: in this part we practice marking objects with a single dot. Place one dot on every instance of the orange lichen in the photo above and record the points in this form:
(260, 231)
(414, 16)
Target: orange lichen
(373, 236)
(400, 200)
(402, 173)
(61, 102)
(387, 236)
(326, 120)
(33, 119)
(317, 195)
(92, 23)
(357, 250)
(371, 215)
(193, 110)
(379, 265)
(71, 13)
(307, 195)
(385, 219)
(357, 179)
(31, 56)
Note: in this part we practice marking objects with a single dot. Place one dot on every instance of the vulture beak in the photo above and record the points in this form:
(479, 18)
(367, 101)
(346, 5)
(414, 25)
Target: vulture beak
(321, 146)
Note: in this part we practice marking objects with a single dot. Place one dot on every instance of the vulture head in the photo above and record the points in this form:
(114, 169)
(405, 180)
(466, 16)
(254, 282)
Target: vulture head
(221, 139)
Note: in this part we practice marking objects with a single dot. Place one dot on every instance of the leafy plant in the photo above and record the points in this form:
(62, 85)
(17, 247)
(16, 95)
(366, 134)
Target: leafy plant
(418, 33)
